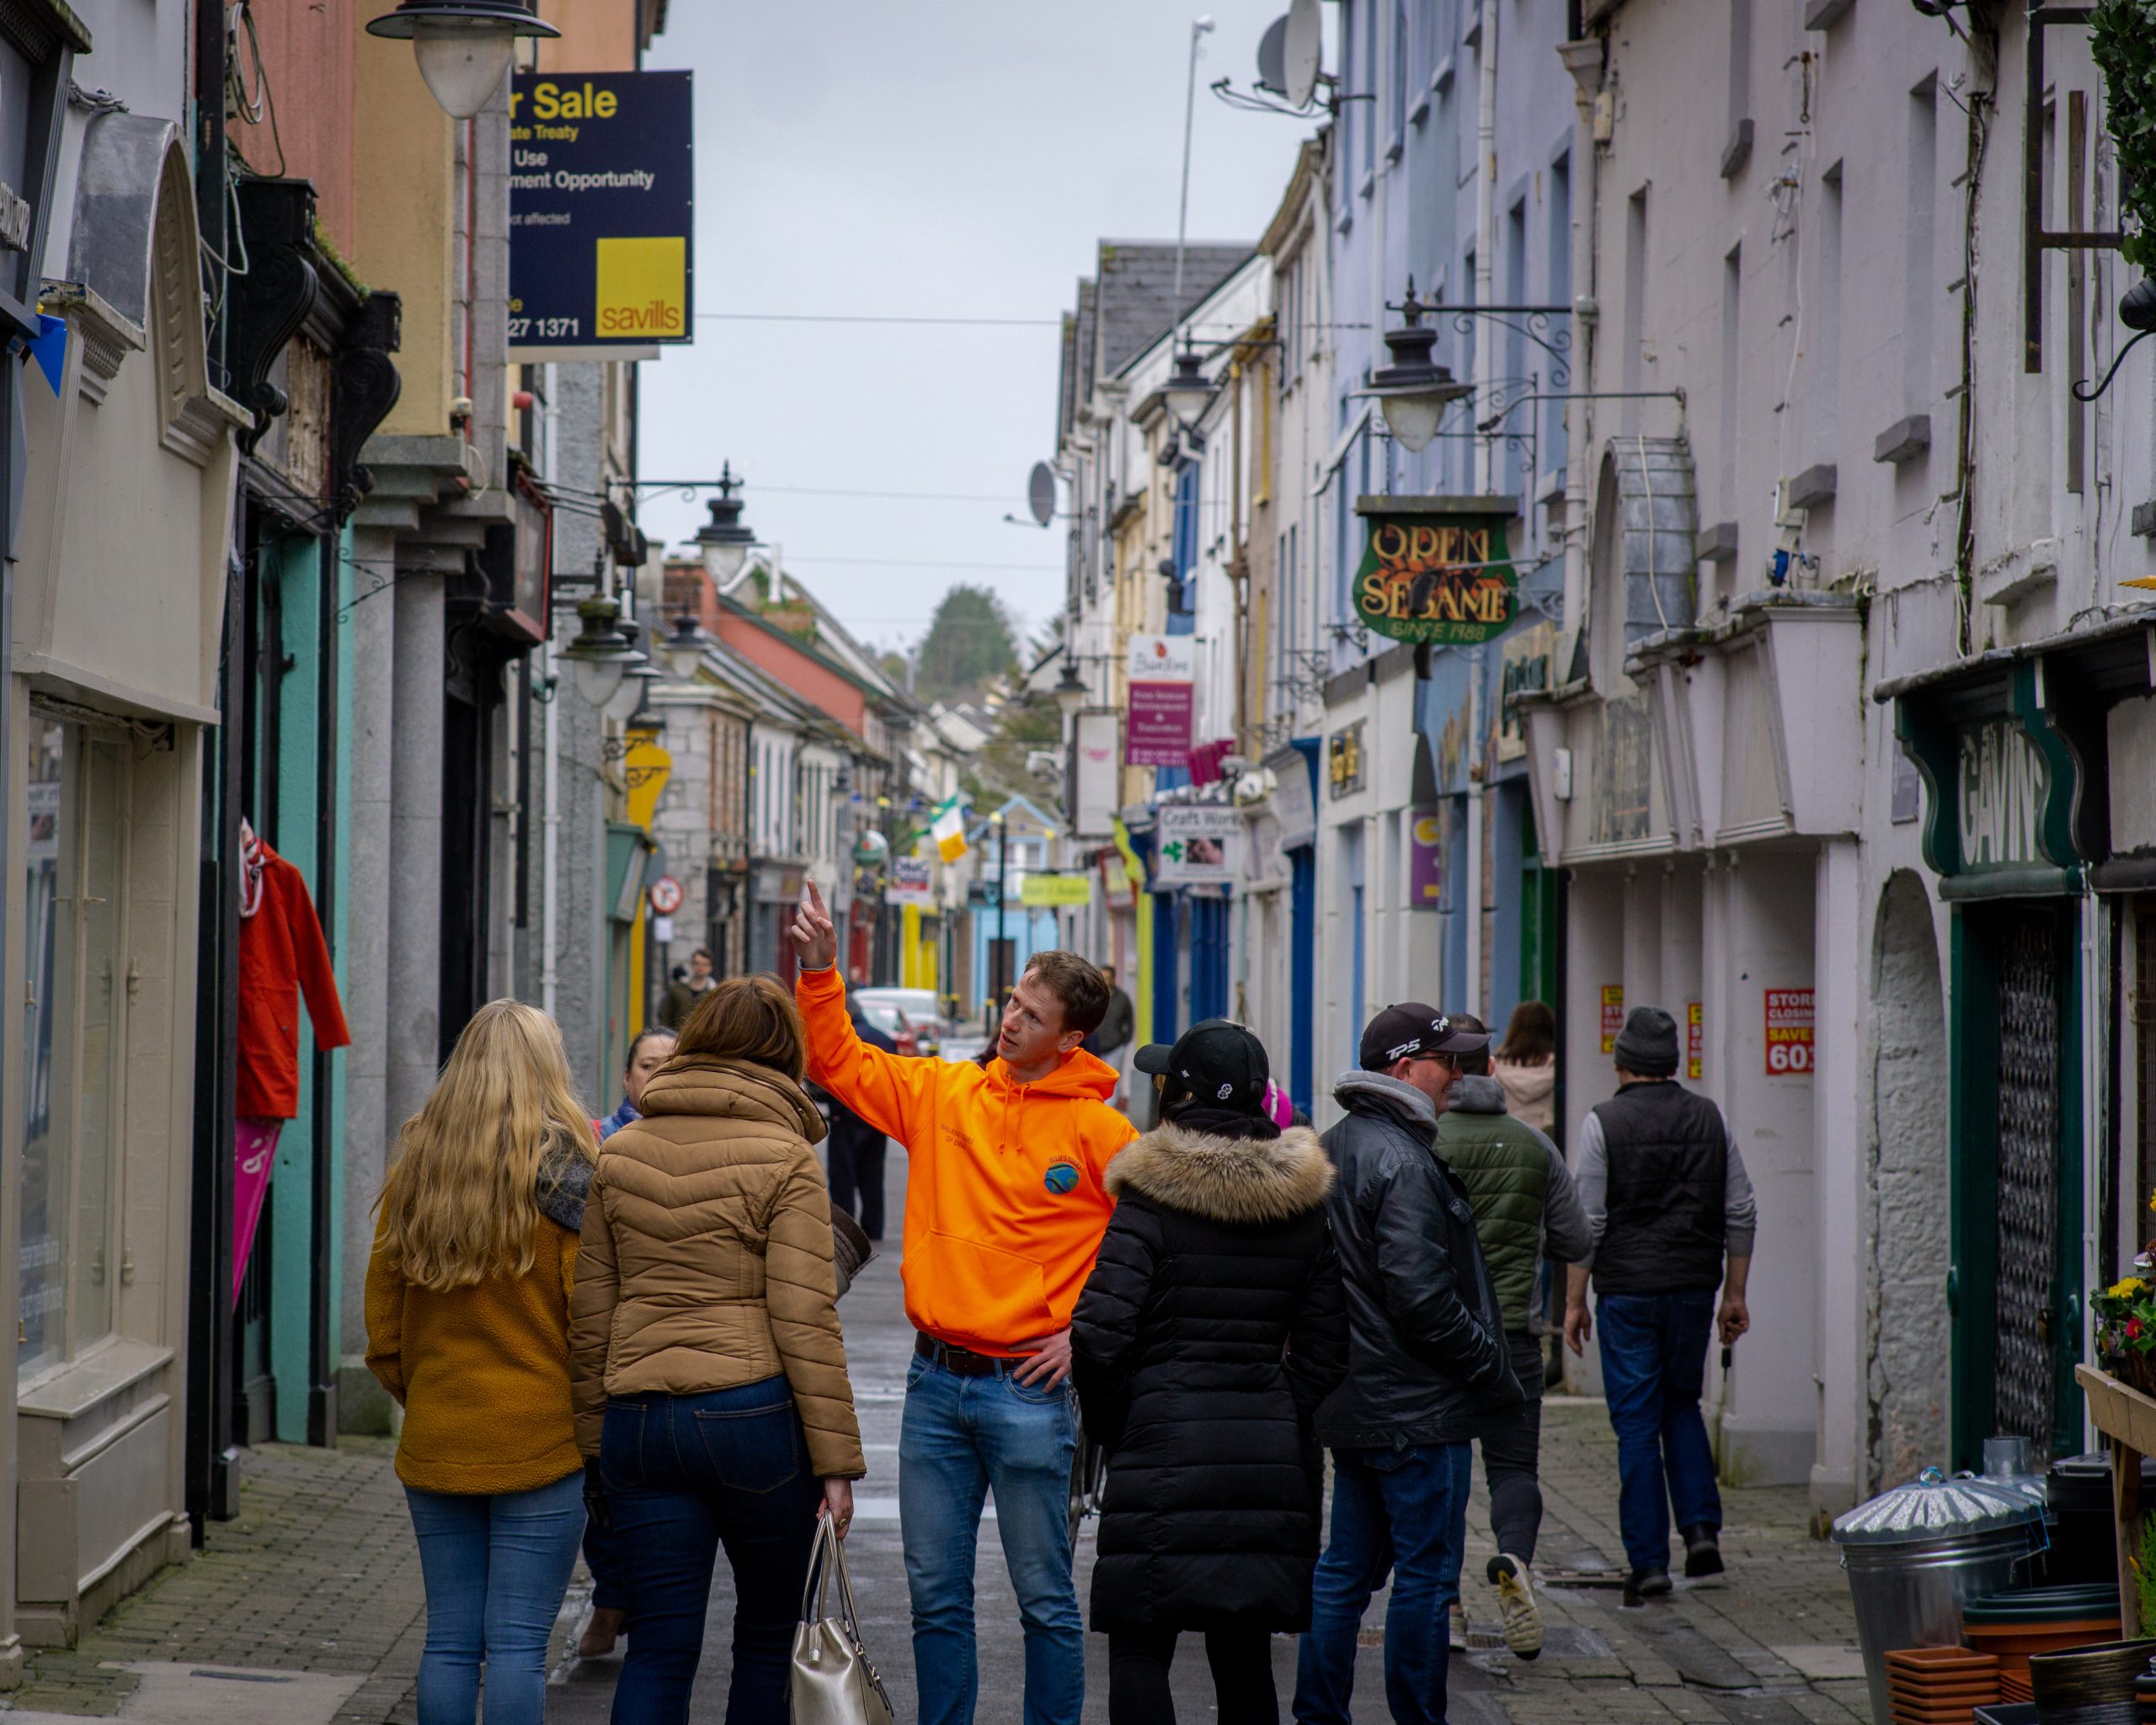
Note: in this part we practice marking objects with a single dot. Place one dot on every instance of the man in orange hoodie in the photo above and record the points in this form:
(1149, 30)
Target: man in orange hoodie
(1005, 1205)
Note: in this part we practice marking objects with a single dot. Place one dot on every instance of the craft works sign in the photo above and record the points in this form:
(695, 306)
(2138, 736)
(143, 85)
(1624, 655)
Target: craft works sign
(1789, 1032)
(1199, 844)
(601, 191)
(1441, 578)
(1161, 673)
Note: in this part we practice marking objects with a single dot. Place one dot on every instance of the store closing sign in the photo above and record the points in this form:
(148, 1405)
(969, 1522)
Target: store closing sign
(1612, 1015)
(1695, 1042)
(1789, 1032)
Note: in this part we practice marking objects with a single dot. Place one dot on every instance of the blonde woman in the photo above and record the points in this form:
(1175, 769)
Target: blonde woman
(467, 1326)
(710, 1374)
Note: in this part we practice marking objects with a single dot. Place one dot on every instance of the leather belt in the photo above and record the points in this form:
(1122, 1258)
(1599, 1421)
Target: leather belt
(964, 1361)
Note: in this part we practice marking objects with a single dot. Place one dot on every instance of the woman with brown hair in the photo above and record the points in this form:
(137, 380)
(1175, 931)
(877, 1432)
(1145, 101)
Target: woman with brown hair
(468, 1306)
(1526, 1064)
(711, 1391)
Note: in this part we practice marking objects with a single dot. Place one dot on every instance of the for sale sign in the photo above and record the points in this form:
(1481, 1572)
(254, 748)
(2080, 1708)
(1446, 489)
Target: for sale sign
(1789, 1032)
(1612, 1015)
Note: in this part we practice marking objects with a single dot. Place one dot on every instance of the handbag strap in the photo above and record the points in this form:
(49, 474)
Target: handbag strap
(815, 1588)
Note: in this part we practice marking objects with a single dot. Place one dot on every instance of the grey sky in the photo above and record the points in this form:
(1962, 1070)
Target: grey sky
(951, 158)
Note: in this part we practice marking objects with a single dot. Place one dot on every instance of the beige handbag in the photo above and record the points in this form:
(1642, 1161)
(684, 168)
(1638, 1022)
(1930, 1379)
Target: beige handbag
(833, 1683)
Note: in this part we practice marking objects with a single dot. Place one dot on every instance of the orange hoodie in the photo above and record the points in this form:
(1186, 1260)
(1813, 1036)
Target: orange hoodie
(1005, 1200)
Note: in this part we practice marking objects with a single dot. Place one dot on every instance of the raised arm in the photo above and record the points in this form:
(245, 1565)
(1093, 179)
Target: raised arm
(889, 1091)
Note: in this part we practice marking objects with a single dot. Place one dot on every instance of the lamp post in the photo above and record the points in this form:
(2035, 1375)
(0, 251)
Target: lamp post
(601, 655)
(1070, 691)
(1413, 392)
(684, 649)
(1002, 912)
(464, 47)
(724, 540)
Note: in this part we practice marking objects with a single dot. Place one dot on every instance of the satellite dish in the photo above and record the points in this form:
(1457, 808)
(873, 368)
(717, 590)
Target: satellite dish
(1301, 49)
(1272, 57)
(1040, 492)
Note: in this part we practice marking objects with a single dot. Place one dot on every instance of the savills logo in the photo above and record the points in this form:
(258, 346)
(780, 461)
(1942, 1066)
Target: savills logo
(643, 287)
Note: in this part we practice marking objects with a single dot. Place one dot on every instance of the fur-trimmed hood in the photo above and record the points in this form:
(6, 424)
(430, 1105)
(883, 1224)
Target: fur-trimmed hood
(1235, 1180)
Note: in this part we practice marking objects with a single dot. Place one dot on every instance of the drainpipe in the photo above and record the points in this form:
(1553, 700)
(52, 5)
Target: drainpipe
(1583, 58)
(1486, 379)
(551, 836)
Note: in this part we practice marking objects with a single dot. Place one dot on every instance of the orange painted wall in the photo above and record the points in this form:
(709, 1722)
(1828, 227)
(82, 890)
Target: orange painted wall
(825, 690)
(306, 62)
(596, 36)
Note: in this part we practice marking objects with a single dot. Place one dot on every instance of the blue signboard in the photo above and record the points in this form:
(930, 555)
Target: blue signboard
(601, 206)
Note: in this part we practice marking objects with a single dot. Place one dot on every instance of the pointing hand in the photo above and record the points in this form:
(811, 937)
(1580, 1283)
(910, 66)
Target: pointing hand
(815, 939)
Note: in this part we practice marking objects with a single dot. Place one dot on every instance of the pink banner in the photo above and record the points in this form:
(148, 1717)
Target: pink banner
(1158, 732)
(255, 1146)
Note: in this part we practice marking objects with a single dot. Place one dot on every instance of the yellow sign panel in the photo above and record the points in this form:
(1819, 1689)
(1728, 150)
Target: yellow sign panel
(643, 286)
(1054, 892)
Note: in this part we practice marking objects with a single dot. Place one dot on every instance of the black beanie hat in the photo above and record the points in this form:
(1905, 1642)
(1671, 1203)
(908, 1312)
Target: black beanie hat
(1648, 1044)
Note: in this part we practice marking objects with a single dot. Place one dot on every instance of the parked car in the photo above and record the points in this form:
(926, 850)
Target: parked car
(912, 1018)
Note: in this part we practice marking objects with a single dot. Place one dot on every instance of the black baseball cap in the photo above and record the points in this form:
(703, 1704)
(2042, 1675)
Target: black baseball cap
(1402, 1031)
(1216, 1060)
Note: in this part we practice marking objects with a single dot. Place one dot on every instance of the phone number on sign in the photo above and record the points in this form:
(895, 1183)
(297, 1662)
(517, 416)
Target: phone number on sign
(543, 328)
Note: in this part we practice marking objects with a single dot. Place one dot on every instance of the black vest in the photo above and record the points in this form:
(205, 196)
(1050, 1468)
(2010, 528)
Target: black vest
(1669, 1175)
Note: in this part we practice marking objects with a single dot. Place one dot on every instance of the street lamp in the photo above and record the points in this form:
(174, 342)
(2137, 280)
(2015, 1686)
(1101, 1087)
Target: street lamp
(601, 654)
(684, 649)
(1413, 392)
(724, 540)
(627, 701)
(1071, 691)
(464, 47)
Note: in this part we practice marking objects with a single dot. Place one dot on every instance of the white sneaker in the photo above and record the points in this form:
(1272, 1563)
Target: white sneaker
(1458, 1619)
(1517, 1609)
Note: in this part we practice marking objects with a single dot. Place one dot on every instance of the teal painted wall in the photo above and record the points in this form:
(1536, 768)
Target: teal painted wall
(298, 571)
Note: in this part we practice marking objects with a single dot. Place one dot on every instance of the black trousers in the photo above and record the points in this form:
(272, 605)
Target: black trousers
(857, 1160)
(1242, 1676)
(1512, 1454)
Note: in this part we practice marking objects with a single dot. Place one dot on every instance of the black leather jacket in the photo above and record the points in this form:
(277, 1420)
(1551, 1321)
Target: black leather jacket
(1427, 1353)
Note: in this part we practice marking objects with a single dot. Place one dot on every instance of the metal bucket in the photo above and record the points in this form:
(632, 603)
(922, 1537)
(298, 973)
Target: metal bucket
(1910, 1595)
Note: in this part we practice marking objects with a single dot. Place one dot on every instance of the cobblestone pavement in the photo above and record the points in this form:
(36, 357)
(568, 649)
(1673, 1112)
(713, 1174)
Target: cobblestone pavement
(320, 1575)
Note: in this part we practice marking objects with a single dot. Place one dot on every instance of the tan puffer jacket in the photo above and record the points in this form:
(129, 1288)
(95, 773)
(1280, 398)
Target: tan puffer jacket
(706, 1262)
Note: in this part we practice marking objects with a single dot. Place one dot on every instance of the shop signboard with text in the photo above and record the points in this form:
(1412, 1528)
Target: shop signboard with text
(908, 881)
(601, 202)
(1789, 1032)
(1436, 569)
(1199, 844)
(1162, 676)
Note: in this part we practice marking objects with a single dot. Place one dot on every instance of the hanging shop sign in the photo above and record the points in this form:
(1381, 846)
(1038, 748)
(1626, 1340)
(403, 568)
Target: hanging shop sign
(1695, 1042)
(1343, 760)
(1426, 860)
(1789, 1032)
(1526, 654)
(1293, 799)
(1038, 891)
(1612, 1015)
(908, 881)
(1095, 775)
(1198, 845)
(1436, 569)
(1162, 697)
(601, 196)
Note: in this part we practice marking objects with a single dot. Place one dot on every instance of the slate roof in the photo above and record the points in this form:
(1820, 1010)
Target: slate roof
(1129, 302)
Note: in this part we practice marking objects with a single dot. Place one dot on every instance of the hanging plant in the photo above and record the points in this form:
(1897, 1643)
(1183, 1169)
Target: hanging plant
(2122, 38)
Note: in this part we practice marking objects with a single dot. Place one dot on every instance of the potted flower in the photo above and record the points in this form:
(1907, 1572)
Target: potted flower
(2125, 1328)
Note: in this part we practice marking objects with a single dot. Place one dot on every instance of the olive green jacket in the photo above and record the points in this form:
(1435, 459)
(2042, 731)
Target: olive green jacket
(1522, 1195)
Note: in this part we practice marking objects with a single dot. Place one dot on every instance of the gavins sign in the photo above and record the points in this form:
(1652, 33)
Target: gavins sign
(1436, 569)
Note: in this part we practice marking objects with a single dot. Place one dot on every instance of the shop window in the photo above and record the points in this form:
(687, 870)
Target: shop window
(75, 1039)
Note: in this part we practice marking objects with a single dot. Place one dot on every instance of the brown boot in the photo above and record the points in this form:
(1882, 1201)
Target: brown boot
(600, 1634)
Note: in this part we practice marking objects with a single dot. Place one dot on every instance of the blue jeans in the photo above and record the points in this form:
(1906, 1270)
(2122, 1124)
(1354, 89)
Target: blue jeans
(963, 1437)
(1393, 1513)
(496, 1568)
(1654, 1367)
(683, 1475)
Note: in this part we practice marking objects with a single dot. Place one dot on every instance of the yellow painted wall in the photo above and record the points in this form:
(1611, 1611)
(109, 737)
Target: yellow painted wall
(403, 231)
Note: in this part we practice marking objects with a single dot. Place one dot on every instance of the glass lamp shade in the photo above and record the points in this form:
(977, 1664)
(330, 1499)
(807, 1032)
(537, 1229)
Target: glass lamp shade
(463, 62)
(622, 704)
(723, 557)
(1412, 417)
(1069, 695)
(599, 680)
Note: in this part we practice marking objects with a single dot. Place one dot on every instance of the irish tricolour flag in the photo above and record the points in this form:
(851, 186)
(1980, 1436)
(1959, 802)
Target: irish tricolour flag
(948, 829)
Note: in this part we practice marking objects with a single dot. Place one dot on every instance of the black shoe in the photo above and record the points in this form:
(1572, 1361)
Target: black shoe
(1702, 1550)
(1644, 1584)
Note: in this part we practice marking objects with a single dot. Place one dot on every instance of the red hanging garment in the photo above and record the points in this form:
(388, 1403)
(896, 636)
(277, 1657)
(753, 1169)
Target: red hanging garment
(281, 953)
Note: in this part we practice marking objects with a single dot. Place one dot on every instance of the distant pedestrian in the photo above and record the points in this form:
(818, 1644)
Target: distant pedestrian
(1211, 1328)
(1525, 1206)
(1526, 1064)
(467, 1311)
(650, 1050)
(684, 992)
(1672, 1213)
(1427, 1367)
(712, 1405)
(1112, 1042)
(856, 1149)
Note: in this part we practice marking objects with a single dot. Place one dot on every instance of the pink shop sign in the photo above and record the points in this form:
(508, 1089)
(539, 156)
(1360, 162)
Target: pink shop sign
(1157, 733)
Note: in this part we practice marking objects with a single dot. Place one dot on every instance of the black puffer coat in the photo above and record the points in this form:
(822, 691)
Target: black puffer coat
(1429, 1361)
(1209, 1331)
